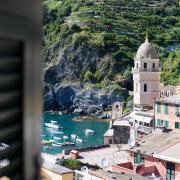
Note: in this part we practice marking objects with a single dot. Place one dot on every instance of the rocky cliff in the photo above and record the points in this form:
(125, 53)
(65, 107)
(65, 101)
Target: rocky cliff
(80, 98)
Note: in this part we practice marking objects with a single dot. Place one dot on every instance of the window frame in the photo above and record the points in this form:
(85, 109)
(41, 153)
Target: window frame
(30, 36)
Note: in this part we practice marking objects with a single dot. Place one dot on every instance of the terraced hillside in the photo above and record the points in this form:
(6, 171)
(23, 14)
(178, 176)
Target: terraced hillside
(98, 38)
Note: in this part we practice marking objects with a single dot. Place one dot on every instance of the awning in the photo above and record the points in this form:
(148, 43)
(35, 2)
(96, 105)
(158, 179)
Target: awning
(144, 119)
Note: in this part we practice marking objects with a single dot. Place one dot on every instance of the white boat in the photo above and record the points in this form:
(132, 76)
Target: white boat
(89, 132)
(65, 137)
(53, 122)
(52, 126)
(60, 113)
(52, 141)
(79, 140)
(73, 136)
(56, 132)
(56, 145)
(57, 138)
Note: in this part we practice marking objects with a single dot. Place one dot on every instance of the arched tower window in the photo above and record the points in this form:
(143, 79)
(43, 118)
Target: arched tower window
(145, 65)
(136, 87)
(136, 65)
(145, 87)
(153, 65)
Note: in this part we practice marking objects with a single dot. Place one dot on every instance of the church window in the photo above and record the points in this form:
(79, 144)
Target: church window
(137, 65)
(145, 65)
(145, 87)
(136, 87)
(153, 65)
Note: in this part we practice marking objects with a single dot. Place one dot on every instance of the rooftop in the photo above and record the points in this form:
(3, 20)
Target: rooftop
(155, 143)
(109, 132)
(58, 169)
(171, 153)
(121, 123)
(171, 99)
(146, 50)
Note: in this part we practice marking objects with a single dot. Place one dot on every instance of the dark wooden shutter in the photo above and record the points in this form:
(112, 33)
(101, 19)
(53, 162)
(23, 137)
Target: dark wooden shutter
(11, 109)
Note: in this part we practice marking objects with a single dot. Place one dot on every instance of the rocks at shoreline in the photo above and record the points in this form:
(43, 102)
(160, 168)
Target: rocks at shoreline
(78, 98)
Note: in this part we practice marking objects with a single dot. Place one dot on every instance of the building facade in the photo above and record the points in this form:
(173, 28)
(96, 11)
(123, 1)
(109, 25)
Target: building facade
(167, 112)
(154, 157)
(146, 75)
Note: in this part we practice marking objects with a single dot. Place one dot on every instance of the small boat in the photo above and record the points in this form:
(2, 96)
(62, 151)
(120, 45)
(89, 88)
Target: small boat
(46, 143)
(65, 137)
(56, 132)
(52, 126)
(56, 145)
(60, 113)
(89, 132)
(57, 138)
(70, 143)
(73, 136)
(52, 141)
(53, 122)
(79, 140)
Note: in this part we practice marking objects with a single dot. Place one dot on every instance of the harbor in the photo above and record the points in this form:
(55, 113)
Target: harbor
(61, 132)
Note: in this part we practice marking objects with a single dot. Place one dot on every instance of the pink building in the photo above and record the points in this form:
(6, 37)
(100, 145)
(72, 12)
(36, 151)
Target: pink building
(154, 155)
(167, 112)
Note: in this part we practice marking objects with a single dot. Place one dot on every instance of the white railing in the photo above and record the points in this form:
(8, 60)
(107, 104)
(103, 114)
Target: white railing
(84, 176)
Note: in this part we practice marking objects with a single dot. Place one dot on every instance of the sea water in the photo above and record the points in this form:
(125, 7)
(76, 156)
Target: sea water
(71, 126)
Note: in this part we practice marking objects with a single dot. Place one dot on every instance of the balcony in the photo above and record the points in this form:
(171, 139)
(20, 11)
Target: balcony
(137, 70)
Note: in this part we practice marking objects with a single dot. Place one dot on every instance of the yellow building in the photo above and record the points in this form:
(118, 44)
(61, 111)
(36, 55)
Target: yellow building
(51, 171)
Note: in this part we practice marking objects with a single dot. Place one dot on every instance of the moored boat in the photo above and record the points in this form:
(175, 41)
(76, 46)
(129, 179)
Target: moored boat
(89, 132)
(57, 138)
(52, 126)
(79, 140)
(65, 137)
(73, 136)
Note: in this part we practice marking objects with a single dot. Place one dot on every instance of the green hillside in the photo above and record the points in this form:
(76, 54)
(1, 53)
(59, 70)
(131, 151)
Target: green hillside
(110, 31)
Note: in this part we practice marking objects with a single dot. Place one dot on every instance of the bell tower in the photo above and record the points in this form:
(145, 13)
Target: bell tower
(146, 75)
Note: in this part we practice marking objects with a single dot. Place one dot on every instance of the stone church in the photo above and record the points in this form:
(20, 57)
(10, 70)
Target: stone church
(146, 75)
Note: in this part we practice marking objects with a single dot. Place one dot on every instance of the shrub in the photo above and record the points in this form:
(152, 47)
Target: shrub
(72, 164)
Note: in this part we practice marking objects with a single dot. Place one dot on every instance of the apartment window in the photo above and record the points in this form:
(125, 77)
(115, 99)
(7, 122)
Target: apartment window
(170, 171)
(136, 158)
(177, 125)
(177, 112)
(142, 159)
(166, 124)
(158, 108)
(158, 122)
(166, 109)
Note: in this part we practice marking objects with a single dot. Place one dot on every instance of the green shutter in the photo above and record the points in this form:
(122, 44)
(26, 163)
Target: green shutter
(166, 109)
(158, 108)
(166, 124)
(136, 160)
(142, 159)
(158, 122)
(177, 125)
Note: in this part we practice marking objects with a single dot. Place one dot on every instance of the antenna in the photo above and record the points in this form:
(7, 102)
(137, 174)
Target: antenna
(104, 163)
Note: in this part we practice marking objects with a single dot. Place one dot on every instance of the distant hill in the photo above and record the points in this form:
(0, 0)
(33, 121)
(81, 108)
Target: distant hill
(97, 39)
(94, 41)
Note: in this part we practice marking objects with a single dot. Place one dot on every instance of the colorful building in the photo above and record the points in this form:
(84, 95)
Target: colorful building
(167, 112)
(51, 171)
(154, 155)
